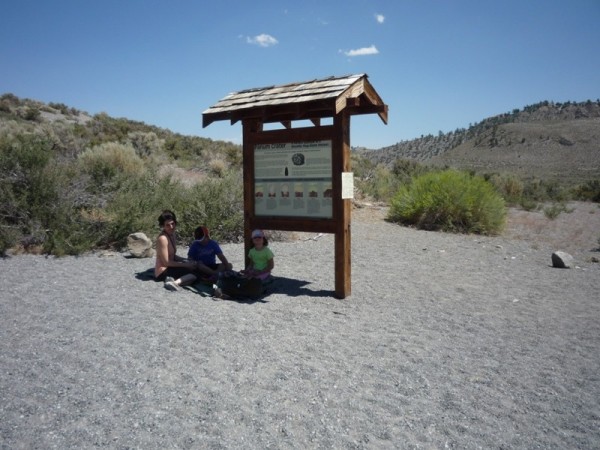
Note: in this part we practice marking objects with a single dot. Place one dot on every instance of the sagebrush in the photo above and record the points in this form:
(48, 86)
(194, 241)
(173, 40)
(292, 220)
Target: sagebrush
(451, 201)
(67, 202)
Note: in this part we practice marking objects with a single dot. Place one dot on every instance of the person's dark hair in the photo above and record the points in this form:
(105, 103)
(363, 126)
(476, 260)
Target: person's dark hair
(166, 216)
(200, 232)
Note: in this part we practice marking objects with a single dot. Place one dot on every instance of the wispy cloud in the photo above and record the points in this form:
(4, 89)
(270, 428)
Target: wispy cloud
(372, 50)
(263, 40)
(380, 18)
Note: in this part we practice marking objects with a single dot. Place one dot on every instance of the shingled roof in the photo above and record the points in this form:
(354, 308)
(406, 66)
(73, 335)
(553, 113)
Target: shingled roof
(296, 101)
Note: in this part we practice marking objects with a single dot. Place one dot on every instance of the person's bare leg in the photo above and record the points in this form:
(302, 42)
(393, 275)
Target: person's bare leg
(186, 280)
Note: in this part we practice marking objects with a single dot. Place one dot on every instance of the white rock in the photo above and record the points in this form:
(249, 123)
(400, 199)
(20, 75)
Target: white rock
(562, 260)
(140, 245)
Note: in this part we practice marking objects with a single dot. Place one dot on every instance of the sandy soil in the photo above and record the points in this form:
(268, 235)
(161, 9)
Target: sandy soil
(447, 341)
(577, 230)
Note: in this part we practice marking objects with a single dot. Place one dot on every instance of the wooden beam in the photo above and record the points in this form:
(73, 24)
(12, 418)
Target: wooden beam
(352, 92)
(376, 100)
(293, 135)
(293, 224)
(381, 110)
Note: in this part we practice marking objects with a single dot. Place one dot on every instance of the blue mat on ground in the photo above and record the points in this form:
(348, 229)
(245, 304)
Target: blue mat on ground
(202, 288)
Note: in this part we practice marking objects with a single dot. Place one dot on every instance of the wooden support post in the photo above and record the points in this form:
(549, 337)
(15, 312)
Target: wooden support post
(250, 129)
(342, 208)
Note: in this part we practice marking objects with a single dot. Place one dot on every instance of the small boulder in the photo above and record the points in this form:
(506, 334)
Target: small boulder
(562, 260)
(140, 246)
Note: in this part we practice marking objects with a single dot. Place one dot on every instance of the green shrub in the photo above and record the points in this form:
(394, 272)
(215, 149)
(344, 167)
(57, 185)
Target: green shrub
(528, 204)
(217, 167)
(589, 191)
(218, 204)
(31, 113)
(145, 144)
(10, 99)
(136, 205)
(509, 186)
(72, 231)
(233, 154)
(37, 199)
(47, 205)
(544, 191)
(64, 109)
(106, 161)
(449, 201)
(554, 210)
(381, 185)
(361, 166)
(26, 187)
(407, 169)
(108, 129)
(69, 188)
(185, 147)
(9, 236)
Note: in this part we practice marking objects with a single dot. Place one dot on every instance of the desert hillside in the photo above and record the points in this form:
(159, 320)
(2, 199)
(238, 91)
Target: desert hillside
(567, 151)
(547, 140)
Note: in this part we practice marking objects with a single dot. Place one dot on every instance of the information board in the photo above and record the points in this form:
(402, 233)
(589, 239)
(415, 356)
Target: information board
(293, 179)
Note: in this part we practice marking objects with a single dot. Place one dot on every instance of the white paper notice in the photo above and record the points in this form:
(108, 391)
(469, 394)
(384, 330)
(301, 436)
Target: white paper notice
(347, 185)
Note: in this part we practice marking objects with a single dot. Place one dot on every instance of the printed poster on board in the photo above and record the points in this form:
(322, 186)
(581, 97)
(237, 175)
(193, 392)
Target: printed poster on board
(293, 179)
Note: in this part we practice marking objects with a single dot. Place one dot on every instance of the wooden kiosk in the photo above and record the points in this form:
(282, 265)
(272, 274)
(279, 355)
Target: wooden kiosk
(300, 179)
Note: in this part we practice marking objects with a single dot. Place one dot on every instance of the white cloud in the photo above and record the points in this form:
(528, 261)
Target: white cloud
(264, 40)
(372, 50)
(380, 18)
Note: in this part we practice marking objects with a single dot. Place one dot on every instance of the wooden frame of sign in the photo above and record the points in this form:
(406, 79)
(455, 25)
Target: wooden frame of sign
(294, 177)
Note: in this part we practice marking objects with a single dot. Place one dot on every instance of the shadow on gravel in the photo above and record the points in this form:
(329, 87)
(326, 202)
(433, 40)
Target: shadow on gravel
(295, 288)
(244, 300)
(146, 275)
(205, 290)
(280, 285)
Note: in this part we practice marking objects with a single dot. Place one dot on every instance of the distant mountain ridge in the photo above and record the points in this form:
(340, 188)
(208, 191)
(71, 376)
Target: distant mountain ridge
(545, 140)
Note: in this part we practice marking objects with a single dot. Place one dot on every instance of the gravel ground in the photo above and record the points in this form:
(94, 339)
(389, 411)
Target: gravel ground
(446, 341)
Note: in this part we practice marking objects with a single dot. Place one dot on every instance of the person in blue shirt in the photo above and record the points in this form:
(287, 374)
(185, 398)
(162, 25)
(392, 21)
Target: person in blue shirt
(204, 251)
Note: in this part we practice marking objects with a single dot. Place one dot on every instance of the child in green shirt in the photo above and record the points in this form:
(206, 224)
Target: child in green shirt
(261, 257)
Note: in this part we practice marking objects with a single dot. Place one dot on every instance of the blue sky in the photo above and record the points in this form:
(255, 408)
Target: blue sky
(438, 64)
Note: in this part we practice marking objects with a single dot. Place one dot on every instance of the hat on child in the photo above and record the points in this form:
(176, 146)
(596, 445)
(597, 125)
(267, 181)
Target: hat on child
(257, 233)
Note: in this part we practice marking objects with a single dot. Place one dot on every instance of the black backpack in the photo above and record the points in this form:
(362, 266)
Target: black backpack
(237, 286)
